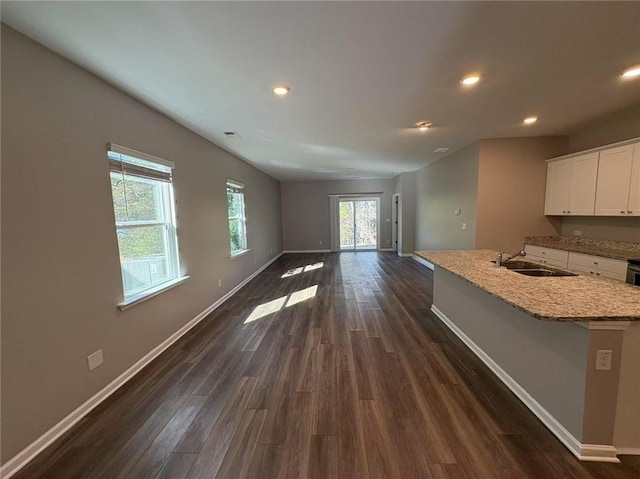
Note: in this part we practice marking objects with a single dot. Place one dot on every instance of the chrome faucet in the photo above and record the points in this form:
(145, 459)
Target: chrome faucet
(500, 261)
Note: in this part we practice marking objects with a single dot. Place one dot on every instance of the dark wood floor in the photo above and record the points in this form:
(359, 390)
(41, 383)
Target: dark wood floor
(358, 381)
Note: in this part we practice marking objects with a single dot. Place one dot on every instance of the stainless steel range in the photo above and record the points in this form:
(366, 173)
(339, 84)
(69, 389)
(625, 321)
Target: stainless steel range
(633, 272)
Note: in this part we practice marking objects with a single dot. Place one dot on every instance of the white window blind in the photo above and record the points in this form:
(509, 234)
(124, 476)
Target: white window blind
(136, 163)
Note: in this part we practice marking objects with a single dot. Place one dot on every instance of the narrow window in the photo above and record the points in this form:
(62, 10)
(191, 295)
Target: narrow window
(142, 190)
(237, 219)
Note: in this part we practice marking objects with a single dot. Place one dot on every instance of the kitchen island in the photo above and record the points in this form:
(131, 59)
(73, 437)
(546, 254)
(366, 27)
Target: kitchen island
(541, 336)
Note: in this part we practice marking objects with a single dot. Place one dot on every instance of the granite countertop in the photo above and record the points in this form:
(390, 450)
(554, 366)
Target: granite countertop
(567, 298)
(607, 249)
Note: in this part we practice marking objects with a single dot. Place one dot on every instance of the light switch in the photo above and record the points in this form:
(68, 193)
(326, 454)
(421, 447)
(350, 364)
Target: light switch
(464, 226)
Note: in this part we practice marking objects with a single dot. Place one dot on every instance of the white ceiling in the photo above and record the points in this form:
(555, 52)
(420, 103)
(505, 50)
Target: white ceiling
(362, 73)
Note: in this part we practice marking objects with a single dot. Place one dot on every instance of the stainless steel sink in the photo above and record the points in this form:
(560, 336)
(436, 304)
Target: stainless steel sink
(521, 265)
(544, 272)
(532, 269)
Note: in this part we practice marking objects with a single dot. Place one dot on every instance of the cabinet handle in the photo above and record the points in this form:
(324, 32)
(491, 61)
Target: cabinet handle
(629, 211)
(597, 274)
(595, 262)
(622, 211)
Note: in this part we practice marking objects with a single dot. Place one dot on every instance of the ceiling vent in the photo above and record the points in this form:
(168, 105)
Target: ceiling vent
(232, 134)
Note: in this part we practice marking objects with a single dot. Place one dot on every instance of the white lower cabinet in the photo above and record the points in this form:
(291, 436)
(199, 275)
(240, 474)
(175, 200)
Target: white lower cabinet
(596, 265)
(599, 266)
(550, 256)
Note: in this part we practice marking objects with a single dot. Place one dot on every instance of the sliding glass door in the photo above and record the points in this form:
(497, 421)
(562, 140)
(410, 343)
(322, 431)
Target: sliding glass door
(358, 224)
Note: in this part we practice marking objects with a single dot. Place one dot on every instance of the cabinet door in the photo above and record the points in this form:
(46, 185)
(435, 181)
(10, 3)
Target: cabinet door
(614, 174)
(633, 207)
(582, 197)
(558, 187)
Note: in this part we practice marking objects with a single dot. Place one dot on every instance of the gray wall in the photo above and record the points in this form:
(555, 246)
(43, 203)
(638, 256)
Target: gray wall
(60, 253)
(547, 358)
(441, 187)
(601, 227)
(617, 126)
(408, 181)
(405, 185)
(305, 210)
(511, 190)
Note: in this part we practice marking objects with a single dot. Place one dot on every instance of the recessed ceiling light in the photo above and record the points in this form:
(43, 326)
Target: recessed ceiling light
(471, 79)
(423, 125)
(632, 72)
(530, 120)
(281, 90)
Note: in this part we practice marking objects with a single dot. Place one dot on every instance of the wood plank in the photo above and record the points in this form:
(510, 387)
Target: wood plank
(215, 447)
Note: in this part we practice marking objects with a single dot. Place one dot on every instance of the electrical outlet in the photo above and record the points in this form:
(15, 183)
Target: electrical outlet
(219, 282)
(457, 212)
(603, 359)
(320, 242)
(95, 359)
(464, 226)
(577, 233)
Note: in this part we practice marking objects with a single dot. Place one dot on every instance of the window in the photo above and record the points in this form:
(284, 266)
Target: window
(145, 221)
(237, 219)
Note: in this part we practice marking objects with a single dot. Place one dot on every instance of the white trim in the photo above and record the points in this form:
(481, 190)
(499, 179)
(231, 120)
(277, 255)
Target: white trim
(351, 196)
(584, 452)
(123, 150)
(239, 253)
(605, 325)
(596, 149)
(150, 293)
(21, 459)
(408, 255)
(597, 453)
(307, 251)
(423, 262)
(628, 451)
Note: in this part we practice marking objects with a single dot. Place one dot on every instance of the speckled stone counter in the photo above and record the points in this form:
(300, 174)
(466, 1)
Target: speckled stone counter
(568, 298)
(608, 249)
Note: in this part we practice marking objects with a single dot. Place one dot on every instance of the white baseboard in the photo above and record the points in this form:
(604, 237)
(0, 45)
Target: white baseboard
(307, 251)
(423, 262)
(584, 452)
(386, 249)
(21, 459)
(628, 451)
(406, 255)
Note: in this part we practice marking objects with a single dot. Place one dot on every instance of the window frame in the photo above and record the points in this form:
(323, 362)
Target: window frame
(242, 219)
(158, 172)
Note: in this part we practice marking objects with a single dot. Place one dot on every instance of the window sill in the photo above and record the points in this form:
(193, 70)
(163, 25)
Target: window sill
(150, 293)
(239, 253)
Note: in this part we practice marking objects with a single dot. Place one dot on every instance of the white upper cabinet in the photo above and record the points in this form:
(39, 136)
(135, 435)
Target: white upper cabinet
(633, 207)
(582, 195)
(571, 186)
(614, 180)
(558, 187)
(600, 182)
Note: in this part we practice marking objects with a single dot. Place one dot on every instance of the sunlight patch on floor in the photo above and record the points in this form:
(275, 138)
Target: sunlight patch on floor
(301, 269)
(272, 307)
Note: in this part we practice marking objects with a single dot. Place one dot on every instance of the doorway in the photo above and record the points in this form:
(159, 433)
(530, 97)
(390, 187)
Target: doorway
(358, 224)
(395, 223)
